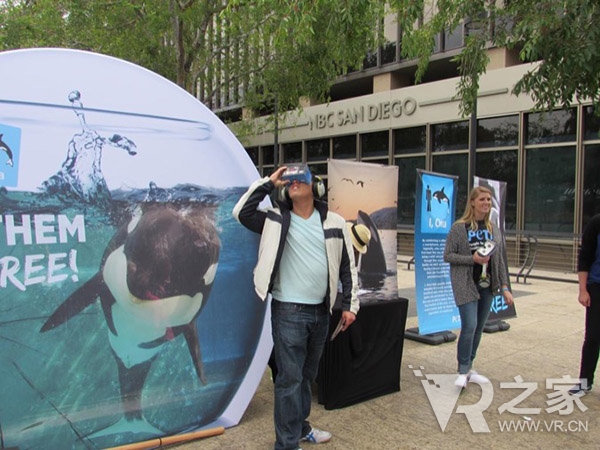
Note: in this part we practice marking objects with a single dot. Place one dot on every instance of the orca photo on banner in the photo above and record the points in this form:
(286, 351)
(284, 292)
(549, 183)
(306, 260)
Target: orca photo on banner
(500, 310)
(366, 194)
(435, 204)
(126, 294)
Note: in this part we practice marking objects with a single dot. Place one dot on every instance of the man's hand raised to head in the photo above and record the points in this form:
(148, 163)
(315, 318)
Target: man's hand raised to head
(276, 177)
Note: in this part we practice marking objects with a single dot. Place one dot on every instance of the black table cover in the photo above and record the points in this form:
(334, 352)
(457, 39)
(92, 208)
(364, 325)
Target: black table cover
(363, 362)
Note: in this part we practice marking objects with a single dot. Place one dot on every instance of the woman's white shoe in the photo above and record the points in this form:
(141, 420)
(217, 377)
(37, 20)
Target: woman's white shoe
(462, 380)
(474, 377)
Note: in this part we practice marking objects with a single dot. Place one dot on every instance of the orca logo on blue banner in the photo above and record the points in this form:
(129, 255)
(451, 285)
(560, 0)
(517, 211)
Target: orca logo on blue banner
(437, 203)
(10, 147)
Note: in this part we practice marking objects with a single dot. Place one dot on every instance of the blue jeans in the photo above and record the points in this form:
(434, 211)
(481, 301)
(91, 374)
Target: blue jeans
(473, 316)
(299, 335)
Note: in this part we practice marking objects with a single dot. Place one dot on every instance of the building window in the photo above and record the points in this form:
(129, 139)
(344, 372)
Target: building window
(549, 127)
(253, 154)
(453, 39)
(550, 189)
(292, 152)
(374, 144)
(319, 169)
(591, 183)
(410, 140)
(268, 156)
(502, 165)
(591, 165)
(591, 124)
(383, 161)
(498, 132)
(370, 60)
(388, 53)
(344, 147)
(317, 150)
(450, 136)
(455, 164)
(407, 185)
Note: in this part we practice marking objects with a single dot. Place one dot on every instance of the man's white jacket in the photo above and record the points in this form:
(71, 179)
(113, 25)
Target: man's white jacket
(273, 225)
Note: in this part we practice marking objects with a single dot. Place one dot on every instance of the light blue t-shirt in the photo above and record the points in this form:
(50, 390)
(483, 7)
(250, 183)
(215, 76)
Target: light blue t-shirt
(302, 276)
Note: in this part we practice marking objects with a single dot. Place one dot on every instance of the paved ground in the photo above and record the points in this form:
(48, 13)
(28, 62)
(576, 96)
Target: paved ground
(543, 343)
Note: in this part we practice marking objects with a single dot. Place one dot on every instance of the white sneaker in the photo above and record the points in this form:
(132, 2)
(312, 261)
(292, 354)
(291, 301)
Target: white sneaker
(477, 378)
(317, 436)
(461, 380)
(579, 390)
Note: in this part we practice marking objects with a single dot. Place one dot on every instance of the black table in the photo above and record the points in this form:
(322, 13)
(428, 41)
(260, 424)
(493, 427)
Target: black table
(364, 361)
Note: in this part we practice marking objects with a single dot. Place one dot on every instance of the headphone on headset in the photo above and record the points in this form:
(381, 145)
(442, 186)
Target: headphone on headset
(318, 189)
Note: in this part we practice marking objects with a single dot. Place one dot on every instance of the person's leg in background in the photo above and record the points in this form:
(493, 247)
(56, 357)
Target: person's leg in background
(290, 324)
(591, 342)
(468, 324)
(483, 312)
(484, 306)
(316, 343)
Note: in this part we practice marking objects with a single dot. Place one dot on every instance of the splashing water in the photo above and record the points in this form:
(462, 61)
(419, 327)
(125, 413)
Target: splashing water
(80, 176)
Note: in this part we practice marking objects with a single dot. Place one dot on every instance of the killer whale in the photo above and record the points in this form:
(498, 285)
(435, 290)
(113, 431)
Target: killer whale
(441, 196)
(154, 278)
(373, 261)
(6, 149)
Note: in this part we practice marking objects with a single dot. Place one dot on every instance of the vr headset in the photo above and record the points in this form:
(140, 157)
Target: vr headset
(297, 172)
(488, 248)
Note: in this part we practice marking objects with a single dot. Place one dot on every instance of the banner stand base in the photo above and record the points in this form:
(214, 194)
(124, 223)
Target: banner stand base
(432, 339)
(492, 326)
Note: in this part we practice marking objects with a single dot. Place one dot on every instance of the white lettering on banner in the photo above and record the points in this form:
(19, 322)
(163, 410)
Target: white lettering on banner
(437, 294)
(44, 229)
(351, 116)
(438, 223)
(37, 268)
(34, 271)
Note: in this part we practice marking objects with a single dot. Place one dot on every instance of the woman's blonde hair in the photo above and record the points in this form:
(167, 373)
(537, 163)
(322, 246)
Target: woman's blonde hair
(469, 214)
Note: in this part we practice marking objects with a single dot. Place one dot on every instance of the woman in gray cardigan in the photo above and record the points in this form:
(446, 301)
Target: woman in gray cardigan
(470, 275)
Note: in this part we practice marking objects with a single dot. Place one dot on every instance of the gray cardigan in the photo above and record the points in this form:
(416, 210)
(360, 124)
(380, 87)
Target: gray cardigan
(458, 253)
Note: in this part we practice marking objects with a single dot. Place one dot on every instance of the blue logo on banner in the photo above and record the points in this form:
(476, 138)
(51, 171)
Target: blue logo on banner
(10, 149)
(436, 207)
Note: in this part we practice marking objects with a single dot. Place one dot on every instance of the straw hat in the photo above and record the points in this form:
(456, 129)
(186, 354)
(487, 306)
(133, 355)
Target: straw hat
(360, 235)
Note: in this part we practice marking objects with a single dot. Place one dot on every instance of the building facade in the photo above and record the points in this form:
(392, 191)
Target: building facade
(550, 161)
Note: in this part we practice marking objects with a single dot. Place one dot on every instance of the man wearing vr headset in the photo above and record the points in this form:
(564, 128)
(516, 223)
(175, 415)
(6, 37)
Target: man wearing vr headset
(304, 250)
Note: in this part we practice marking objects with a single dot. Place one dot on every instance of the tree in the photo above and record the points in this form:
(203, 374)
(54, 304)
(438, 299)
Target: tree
(265, 50)
(563, 35)
(256, 53)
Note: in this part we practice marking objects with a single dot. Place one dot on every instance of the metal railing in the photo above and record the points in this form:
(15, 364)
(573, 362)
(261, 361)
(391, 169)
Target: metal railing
(542, 256)
(530, 257)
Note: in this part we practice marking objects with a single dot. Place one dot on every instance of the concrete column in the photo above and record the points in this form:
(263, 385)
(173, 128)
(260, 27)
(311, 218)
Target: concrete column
(389, 81)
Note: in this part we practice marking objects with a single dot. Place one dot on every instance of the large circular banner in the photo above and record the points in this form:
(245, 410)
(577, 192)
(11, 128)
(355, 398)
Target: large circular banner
(127, 309)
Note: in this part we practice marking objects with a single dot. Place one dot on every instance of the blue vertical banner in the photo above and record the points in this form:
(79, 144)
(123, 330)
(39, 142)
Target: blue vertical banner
(500, 309)
(434, 215)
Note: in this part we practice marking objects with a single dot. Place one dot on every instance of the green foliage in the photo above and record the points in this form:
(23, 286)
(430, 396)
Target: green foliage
(129, 29)
(278, 51)
(566, 38)
(563, 35)
(306, 45)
